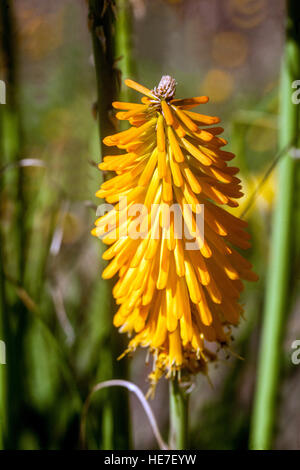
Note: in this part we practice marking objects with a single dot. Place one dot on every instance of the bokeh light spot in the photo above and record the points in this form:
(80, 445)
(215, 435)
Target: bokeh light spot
(230, 48)
(218, 85)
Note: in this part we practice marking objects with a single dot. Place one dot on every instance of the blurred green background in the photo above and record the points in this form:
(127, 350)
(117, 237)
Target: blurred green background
(53, 299)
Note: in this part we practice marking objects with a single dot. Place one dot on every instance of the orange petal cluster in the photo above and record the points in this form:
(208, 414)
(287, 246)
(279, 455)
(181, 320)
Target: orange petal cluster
(172, 300)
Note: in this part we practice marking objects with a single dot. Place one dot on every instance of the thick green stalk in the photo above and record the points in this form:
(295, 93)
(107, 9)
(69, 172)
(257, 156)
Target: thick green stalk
(277, 295)
(178, 438)
(102, 26)
(115, 411)
(124, 45)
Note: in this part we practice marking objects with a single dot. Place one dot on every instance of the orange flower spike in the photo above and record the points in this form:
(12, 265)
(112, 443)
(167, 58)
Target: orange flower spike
(175, 300)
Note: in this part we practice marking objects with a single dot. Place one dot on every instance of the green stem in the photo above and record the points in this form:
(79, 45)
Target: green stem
(178, 416)
(102, 26)
(277, 295)
(115, 408)
(124, 45)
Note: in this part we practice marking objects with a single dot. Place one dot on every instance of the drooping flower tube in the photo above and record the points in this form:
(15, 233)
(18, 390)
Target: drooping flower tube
(171, 299)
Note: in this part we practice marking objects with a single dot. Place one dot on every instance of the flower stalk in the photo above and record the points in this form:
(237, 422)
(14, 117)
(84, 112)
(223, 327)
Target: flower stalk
(277, 295)
(124, 44)
(103, 24)
(179, 400)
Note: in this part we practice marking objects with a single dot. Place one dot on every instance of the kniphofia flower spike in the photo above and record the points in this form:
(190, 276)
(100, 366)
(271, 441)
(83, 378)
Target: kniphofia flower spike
(173, 300)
